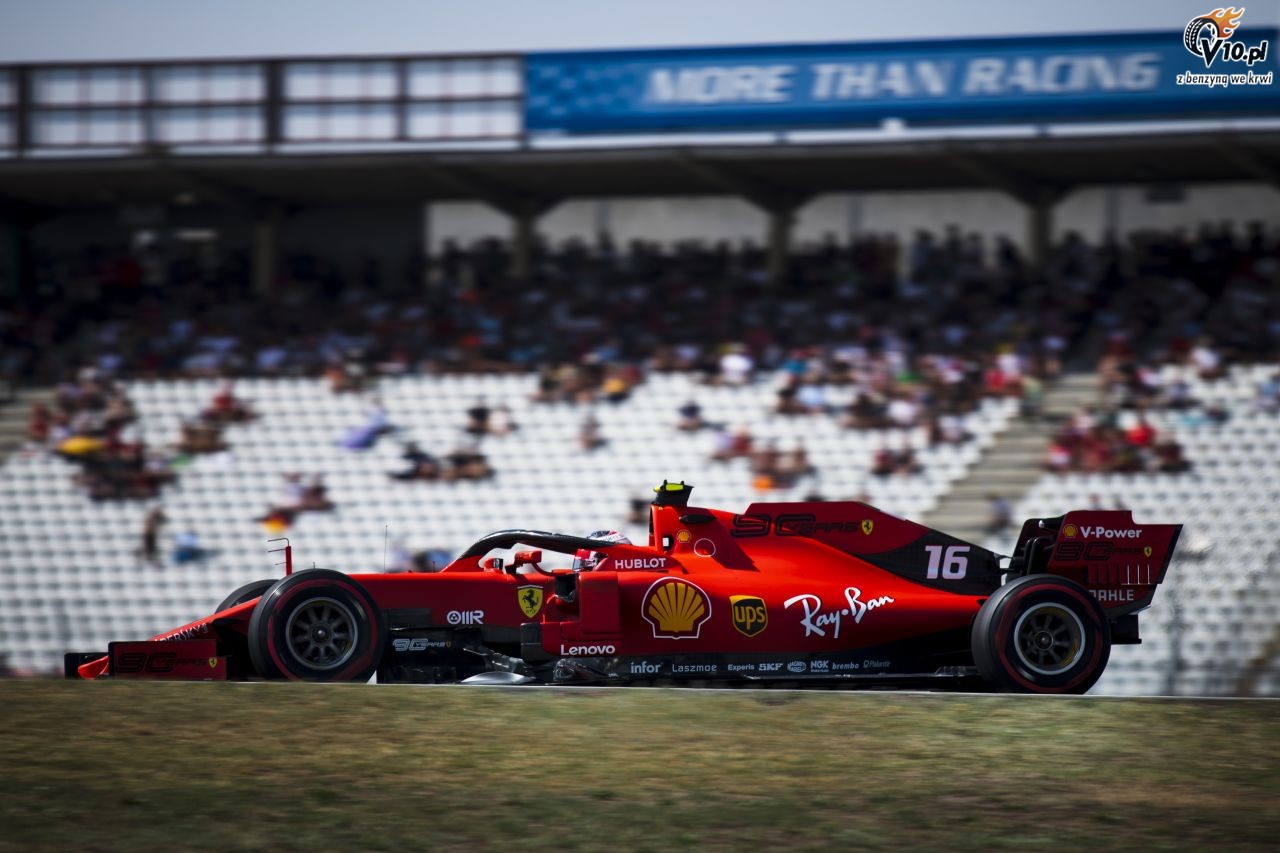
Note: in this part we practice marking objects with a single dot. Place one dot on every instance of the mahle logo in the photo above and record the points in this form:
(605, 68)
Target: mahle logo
(1209, 37)
(750, 616)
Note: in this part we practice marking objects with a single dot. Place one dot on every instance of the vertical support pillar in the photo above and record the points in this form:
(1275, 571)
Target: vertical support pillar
(780, 224)
(273, 103)
(524, 222)
(23, 131)
(604, 220)
(1111, 211)
(266, 252)
(854, 216)
(1040, 227)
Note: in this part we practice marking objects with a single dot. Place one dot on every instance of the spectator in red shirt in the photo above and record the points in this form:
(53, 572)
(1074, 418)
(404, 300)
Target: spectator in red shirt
(1141, 434)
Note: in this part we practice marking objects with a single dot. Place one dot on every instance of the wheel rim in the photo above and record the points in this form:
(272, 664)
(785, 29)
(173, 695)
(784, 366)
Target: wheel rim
(322, 634)
(1049, 639)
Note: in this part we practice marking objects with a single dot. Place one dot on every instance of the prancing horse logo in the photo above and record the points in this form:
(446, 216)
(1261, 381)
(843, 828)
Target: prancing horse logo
(867, 526)
(530, 598)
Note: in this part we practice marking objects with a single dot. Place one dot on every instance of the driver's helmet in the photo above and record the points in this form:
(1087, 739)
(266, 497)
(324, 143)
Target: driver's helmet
(584, 559)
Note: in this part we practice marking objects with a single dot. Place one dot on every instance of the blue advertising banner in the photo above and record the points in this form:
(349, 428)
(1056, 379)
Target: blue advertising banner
(1209, 68)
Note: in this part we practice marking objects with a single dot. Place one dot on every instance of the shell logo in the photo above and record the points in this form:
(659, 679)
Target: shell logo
(683, 536)
(1069, 531)
(675, 608)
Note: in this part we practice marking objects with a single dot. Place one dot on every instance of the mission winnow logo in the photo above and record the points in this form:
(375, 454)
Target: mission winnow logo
(1210, 37)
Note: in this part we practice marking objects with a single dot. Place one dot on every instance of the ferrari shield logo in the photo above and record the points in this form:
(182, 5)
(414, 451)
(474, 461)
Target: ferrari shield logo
(867, 526)
(213, 663)
(1147, 550)
(750, 616)
(530, 598)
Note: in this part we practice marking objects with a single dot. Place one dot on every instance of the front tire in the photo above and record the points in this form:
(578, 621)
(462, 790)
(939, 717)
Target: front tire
(316, 625)
(246, 593)
(1041, 634)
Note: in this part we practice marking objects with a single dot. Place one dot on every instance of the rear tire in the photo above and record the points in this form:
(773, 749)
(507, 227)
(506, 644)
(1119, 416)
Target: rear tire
(1041, 634)
(316, 625)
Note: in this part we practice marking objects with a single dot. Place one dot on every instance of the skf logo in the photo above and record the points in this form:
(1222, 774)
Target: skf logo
(750, 616)
(1209, 37)
(530, 598)
(1147, 551)
(867, 526)
(1070, 531)
(675, 608)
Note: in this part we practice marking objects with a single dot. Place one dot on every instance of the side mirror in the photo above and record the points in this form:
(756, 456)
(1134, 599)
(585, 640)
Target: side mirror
(526, 558)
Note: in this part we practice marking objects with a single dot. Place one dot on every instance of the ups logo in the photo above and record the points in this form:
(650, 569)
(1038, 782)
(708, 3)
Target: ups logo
(750, 616)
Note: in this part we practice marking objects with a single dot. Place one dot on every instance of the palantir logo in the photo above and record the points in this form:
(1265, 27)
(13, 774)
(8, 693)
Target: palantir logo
(1209, 37)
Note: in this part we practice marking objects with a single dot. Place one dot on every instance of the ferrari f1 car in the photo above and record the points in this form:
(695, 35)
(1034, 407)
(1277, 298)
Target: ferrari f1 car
(811, 594)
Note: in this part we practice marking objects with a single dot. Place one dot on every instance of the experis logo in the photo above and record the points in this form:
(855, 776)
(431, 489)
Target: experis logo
(1209, 37)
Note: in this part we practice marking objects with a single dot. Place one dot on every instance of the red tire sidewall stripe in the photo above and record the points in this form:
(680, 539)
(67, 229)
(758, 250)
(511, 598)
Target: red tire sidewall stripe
(1004, 629)
(281, 603)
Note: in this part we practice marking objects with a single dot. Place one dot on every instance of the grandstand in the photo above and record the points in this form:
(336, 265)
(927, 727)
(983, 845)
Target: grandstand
(933, 285)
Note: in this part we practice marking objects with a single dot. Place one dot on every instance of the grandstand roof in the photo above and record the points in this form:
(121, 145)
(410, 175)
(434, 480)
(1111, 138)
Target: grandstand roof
(1020, 164)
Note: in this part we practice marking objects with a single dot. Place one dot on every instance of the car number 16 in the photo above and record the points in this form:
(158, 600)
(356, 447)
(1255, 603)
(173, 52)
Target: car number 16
(953, 565)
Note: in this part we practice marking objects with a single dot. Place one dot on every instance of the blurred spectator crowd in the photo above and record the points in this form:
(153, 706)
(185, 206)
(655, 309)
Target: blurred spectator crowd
(914, 334)
(932, 324)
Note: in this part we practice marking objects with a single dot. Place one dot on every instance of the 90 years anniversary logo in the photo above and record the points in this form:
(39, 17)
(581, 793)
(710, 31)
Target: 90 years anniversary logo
(1209, 37)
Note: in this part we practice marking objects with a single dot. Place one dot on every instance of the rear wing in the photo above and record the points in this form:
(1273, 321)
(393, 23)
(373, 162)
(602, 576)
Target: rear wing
(1120, 561)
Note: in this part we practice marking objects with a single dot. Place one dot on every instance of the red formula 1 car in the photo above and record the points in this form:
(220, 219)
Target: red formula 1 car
(806, 593)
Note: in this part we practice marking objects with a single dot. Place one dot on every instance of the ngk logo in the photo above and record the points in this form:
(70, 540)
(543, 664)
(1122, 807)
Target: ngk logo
(466, 617)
